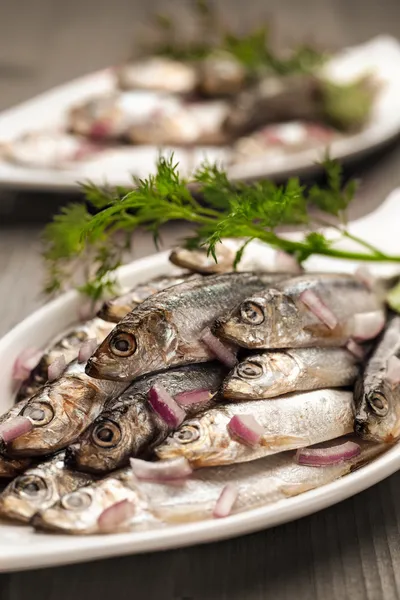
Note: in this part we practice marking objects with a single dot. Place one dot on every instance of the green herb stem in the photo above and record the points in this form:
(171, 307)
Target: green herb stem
(378, 253)
(299, 247)
(350, 236)
(77, 238)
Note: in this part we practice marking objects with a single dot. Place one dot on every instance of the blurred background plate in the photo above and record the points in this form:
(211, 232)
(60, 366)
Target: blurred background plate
(380, 56)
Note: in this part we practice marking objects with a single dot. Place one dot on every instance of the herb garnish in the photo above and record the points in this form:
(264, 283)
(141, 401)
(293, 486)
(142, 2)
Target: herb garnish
(253, 49)
(96, 243)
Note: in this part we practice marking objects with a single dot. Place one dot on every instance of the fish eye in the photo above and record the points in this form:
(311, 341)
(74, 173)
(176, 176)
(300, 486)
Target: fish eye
(187, 434)
(378, 404)
(30, 486)
(76, 501)
(249, 370)
(106, 434)
(40, 413)
(252, 313)
(123, 344)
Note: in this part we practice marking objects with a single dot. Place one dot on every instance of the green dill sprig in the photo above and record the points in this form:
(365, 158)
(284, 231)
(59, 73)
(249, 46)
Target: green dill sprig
(83, 248)
(255, 52)
(253, 49)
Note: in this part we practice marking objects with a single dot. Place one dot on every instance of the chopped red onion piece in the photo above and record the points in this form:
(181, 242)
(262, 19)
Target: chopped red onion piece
(318, 132)
(226, 500)
(367, 326)
(393, 370)
(320, 310)
(87, 349)
(287, 263)
(355, 349)
(193, 397)
(246, 429)
(164, 470)
(165, 406)
(221, 351)
(86, 149)
(322, 457)
(364, 275)
(116, 515)
(25, 363)
(100, 129)
(56, 368)
(14, 428)
(87, 310)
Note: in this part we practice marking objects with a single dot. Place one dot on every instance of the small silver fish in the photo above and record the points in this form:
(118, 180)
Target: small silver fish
(274, 100)
(129, 427)
(377, 394)
(258, 483)
(49, 150)
(189, 123)
(302, 97)
(200, 262)
(274, 373)
(116, 309)
(289, 422)
(157, 73)
(252, 259)
(221, 75)
(165, 330)
(111, 116)
(9, 415)
(61, 410)
(277, 317)
(40, 487)
(67, 345)
(11, 467)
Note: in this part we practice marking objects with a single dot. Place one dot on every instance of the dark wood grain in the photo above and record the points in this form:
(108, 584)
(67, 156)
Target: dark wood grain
(349, 551)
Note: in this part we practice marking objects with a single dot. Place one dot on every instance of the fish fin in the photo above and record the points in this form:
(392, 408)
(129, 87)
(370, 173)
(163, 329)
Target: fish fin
(183, 514)
(393, 371)
(165, 332)
(294, 489)
(284, 442)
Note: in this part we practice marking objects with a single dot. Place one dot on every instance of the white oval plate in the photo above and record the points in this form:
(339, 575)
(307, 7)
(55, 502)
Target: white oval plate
(380, 56)
(22, 548)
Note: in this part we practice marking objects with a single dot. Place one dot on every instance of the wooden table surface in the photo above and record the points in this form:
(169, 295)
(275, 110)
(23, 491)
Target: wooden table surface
(351, 550)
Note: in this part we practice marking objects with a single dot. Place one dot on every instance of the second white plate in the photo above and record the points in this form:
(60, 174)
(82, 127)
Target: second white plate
(380, 56)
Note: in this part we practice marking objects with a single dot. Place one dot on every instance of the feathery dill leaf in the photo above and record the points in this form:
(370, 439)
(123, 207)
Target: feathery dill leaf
(253, 49)
(335, 198)
(78, 241)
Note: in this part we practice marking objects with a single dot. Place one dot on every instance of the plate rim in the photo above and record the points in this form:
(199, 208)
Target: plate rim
(24, 556)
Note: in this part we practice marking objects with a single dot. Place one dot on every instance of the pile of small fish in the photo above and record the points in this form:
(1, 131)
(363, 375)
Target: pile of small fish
(212, 391)
(210, 103)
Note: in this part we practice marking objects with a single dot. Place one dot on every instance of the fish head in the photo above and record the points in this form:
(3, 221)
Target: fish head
(32, 491)
(201, 441)
(78, 512)
(259, 376)
(113, 437)
(11, 468)
(257, 319)
(144, 341)
(69, 344)
(59, 413)
(201, 262)
(115, 310)
(377, 411)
